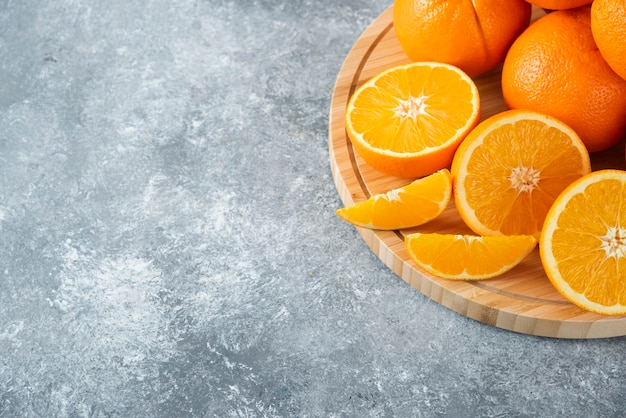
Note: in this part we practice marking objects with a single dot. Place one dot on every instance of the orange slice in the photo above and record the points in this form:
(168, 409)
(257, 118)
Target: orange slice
(583, 242)
(468, 257)
(408, 120)
(510, 169)
(412, 205)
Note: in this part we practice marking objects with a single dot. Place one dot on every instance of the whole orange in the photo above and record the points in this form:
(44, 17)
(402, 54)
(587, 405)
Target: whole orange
(473, 35)
(608, 25)
(559, 4)
(554, 67)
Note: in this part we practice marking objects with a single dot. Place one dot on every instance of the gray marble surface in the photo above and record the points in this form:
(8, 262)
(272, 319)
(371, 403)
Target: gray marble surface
(169, 246)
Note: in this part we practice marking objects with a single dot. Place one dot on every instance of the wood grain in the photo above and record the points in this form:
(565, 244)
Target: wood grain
(522, 300)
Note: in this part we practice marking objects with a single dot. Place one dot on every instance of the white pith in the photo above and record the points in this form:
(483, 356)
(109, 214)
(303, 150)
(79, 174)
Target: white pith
(412, 107)
(524, 179)
(392, 195)
(614, 242)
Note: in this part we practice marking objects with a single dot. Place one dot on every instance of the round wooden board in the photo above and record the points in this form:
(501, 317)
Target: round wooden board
(522, 300)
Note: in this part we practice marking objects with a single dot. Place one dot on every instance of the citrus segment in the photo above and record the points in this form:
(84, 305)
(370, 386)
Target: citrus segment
(408, 120)
(414, 204)
(583, 242)
(468, 257)
(510, 169)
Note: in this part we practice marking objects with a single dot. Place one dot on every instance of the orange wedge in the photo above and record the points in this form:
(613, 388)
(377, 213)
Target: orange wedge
(468, 257)
(412, 205)
(408, 120)
(510, 169)
(583, 242)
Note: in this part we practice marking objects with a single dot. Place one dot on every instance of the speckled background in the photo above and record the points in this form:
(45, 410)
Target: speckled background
(168, 241)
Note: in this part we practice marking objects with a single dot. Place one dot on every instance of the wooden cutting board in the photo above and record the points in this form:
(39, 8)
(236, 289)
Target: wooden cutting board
(522, 300)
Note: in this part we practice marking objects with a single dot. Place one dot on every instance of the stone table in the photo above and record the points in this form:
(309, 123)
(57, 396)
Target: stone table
(168, 241)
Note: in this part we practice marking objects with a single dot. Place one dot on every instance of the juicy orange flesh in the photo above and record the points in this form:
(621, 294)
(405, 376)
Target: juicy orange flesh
(436, 102)
(454, 255)
(585, 228)
(553, 162)
(411, 205)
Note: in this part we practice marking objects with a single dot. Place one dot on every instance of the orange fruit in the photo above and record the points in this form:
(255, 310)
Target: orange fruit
(472, 35)
(408, 120)
(608, 26)
(555, 67)
(412, 205)
(510, 169)
(583, 242)
(468, 257)
(559, 4)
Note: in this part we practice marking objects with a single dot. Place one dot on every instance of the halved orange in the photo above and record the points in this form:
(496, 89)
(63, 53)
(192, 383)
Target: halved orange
(583, 242)
(414, 204)
(510, 169)
(468, 257)
(408, 120)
